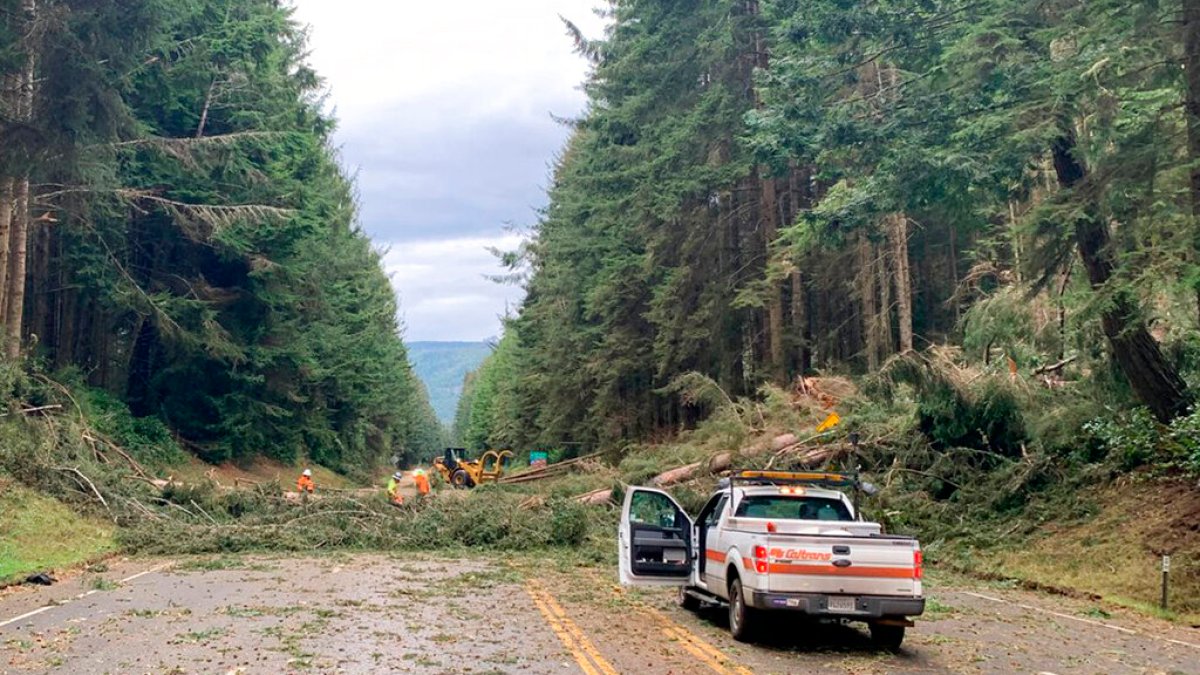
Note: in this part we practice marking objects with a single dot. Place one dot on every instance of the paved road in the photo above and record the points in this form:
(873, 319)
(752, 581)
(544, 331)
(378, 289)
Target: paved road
(375, 613)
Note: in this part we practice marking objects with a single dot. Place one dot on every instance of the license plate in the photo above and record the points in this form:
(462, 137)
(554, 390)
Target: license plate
(842, 604)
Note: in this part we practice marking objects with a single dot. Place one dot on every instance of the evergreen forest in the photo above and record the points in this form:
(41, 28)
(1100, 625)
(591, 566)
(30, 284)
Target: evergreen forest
(762, 190)
(179, 243)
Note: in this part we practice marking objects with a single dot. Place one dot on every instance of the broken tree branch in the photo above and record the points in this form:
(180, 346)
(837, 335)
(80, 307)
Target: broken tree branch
(83, 481)
(1054, 367)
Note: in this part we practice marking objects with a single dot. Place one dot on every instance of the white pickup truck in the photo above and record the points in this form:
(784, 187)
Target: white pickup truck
(770, 541)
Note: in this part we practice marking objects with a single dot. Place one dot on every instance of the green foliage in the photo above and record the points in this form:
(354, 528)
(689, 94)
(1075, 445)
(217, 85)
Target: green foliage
(1130, 438)
(656, 257)
(990, 420)
(208, 270)
(147, 439)
(490, 409)
(1185, 435)
(954, 412)
(485, 518)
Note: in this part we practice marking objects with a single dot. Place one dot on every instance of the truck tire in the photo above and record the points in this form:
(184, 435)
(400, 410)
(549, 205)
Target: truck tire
(887, 637)
(743, 619)
(686, 600)
(460, 479)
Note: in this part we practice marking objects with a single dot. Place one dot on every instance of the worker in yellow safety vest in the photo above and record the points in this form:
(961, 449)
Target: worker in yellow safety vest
(393, 489)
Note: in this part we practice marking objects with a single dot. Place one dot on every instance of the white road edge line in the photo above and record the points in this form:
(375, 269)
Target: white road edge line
(126, 580)
(152, 570)
(1120, 629)
(26, 615)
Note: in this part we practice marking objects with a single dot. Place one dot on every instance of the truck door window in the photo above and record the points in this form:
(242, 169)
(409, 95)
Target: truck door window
(649, 508)
(714, 515)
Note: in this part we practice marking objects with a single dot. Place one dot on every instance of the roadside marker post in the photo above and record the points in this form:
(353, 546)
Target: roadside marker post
(1166, 573)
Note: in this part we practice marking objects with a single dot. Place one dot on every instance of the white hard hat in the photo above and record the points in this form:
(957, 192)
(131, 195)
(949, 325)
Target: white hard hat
(397, 475)
(308, 472)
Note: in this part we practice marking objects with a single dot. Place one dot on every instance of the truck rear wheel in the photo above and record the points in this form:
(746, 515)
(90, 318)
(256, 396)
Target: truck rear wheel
(743, 619)
(887, 636)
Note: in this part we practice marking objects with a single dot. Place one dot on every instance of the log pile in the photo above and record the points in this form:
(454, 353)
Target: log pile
(780, 446)
(548, 471)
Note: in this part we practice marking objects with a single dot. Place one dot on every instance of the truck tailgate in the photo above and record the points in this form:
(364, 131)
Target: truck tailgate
(843, 565)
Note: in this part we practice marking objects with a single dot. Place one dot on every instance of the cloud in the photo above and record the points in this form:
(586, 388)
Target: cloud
(443, 289)
(444, 117)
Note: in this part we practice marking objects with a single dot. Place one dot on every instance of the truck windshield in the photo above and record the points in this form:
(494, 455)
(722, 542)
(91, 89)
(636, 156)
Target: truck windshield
(784, 507)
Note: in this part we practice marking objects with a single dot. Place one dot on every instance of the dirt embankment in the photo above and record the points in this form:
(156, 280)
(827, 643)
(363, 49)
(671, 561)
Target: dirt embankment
(1118, 553)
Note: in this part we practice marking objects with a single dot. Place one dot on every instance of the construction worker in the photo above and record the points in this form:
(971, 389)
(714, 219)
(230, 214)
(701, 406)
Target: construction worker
(393, 489)
(305, 484)
(422, 482)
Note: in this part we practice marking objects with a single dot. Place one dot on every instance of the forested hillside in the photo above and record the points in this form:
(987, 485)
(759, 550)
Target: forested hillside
(762, 189)
(176, 231)
(443, 366)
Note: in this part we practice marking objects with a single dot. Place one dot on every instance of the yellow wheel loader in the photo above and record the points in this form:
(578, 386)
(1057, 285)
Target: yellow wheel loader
(467, 473)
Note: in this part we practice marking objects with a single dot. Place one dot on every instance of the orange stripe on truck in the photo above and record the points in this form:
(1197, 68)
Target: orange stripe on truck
(852, 571)
(714, 555)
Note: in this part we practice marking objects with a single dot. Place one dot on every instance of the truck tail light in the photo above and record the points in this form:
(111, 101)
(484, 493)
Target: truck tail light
(770, 527)
(760, 559)
(918, 565)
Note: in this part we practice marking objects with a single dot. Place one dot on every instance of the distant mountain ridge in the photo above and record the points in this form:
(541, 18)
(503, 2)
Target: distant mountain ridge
(442, 367)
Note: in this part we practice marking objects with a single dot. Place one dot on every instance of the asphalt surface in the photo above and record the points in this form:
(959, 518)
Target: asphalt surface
(377, 613)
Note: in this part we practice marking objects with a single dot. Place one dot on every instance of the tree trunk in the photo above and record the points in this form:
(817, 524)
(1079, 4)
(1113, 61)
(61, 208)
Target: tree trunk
(40, 323)
(8, 195)
(883, 318)
(14, 318)
(1153, 379)
(16, 282)
(869, 299)
(208, 99)
(1191, 63)
(898, 233)
(769, 203)
(800, 322)
(770, 216)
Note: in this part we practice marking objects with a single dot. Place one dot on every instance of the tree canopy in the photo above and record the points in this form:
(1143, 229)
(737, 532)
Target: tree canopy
(175, 226)
(763, 189)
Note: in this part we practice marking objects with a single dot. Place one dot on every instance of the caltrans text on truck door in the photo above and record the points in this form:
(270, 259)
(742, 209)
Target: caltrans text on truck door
(775, 541)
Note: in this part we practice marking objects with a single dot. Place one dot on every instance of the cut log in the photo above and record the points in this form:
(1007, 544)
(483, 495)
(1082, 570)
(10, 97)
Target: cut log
(677, 475)
(556, 469)
(596, 497)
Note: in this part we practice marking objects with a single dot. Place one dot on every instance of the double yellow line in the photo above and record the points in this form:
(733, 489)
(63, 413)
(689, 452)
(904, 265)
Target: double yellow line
(585, 653)
(704, 652)
(698, 647)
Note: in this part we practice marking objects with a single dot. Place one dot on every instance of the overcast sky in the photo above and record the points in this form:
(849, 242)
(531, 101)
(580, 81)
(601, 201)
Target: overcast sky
(444, 115)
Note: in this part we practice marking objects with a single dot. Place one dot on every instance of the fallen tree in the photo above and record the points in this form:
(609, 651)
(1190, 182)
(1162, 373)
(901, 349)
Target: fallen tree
(781, 446)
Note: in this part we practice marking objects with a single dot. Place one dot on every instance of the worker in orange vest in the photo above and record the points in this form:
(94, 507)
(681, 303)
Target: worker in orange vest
(305, 485)
(422, 482)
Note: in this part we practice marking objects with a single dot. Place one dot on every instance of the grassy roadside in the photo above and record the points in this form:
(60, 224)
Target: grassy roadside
(1115, 554)
(39, 533)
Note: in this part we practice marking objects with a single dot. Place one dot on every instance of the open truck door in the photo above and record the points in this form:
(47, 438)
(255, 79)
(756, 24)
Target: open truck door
(655, 541)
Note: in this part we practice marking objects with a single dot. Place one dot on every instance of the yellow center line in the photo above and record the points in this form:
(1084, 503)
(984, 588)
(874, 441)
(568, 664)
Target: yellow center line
(712, 657)
(694, 650)
(571, 636)
(562, 634)
(717, 659)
